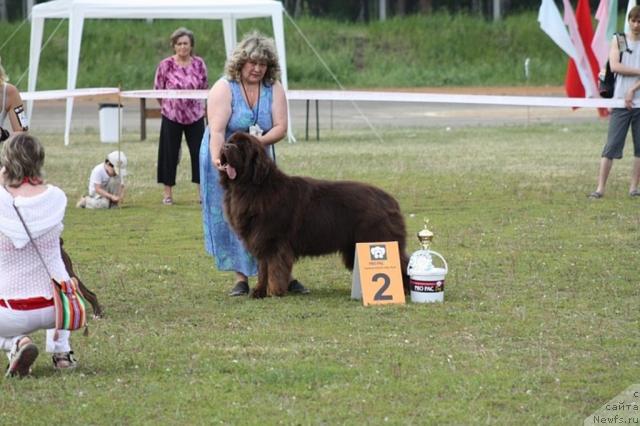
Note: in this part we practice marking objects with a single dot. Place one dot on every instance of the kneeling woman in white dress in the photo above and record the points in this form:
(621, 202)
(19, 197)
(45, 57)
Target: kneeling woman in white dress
(26, 295)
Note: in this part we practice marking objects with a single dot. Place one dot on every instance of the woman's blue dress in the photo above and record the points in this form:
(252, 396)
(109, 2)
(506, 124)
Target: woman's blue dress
(220, 240)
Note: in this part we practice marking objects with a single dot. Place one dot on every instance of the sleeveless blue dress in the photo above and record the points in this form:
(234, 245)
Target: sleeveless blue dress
(220, 241)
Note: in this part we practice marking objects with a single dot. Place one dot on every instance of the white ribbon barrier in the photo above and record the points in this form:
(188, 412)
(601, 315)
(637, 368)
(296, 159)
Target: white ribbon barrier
(364, 96)
(327, 95)
(344, 95)
(541, 101)
(46, 95)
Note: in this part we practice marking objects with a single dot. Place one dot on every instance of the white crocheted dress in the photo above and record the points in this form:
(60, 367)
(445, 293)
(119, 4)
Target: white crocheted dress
(22, 274)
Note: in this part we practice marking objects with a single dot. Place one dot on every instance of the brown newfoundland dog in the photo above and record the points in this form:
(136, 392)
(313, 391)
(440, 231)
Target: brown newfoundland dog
(281, 217)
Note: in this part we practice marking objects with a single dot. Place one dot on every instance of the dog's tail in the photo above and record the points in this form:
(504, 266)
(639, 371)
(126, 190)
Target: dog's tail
(404, 263)
(88, 294)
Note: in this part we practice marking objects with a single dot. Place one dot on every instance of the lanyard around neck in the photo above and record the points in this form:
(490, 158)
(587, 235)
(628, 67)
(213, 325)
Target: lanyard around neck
(257, 112)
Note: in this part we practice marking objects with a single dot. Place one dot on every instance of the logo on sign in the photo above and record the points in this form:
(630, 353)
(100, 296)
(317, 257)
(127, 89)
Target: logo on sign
(378, 252)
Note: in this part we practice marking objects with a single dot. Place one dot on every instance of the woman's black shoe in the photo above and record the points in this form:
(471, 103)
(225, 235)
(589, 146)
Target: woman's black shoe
(240, 289)
(296, 286)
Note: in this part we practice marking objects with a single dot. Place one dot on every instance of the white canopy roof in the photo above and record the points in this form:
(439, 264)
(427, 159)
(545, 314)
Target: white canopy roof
(78, 10)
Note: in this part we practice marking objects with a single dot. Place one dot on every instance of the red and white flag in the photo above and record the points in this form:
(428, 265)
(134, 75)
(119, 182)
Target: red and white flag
(600, 42)
(582, 71)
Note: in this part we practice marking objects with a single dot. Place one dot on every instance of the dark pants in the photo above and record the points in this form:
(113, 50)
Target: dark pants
(169, 149)
(619, 122)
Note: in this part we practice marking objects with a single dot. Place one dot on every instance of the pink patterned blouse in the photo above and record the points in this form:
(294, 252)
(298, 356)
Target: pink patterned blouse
(172, 76)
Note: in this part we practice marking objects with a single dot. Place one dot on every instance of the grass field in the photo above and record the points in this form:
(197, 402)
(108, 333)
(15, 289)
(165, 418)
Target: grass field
(539, 324)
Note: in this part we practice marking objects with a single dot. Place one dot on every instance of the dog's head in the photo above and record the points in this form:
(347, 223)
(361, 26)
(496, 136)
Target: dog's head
(245, 160)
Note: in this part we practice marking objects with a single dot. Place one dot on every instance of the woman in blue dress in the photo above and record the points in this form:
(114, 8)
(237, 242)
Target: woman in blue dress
(249, 98)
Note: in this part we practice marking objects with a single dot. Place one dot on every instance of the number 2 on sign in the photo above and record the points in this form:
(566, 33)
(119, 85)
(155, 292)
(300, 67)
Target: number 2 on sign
(380, 296)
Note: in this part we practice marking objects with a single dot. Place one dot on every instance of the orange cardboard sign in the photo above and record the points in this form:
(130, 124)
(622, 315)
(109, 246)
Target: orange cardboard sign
(377, 275)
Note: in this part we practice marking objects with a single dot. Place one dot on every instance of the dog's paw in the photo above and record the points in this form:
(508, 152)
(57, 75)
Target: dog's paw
(278, 292)
(259, 293)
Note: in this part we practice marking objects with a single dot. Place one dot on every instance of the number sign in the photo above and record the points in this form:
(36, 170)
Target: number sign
(377, 275)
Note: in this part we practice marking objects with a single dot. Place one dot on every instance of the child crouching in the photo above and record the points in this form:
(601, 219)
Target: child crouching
(106, 183)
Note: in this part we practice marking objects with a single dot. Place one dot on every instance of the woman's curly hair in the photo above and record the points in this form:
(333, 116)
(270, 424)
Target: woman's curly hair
(254, 47)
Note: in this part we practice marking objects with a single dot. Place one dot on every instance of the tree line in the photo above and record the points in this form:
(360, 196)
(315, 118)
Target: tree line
(367, 10)
(363, 10)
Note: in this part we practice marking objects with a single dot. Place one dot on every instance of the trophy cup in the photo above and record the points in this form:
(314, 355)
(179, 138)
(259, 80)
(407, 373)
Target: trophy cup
(426, 281)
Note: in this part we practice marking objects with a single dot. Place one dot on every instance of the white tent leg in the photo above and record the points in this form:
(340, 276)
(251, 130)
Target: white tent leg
(67, 122)
(35, 46)
(76, 22)
(230, 34)
(278, 35)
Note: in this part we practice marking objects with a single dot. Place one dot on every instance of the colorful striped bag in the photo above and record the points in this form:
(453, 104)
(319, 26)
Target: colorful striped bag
(70, 305)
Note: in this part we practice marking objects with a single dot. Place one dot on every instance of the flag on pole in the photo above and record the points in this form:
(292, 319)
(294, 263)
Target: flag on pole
(600, 42)
(552, 24)
(612, 27)
(630, 5)
(580, 80)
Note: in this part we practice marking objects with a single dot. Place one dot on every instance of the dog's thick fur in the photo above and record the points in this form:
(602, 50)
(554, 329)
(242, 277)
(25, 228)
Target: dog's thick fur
(281, 217)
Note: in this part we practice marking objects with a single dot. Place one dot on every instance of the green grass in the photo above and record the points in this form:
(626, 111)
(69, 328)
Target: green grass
(436, 50)
(539, 323)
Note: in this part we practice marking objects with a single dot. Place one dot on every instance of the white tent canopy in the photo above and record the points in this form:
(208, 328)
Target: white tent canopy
(229, 11)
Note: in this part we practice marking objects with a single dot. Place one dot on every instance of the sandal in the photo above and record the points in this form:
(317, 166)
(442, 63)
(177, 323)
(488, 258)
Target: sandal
(22, 358)
(595, 195)
(64, 360)
(167, 201)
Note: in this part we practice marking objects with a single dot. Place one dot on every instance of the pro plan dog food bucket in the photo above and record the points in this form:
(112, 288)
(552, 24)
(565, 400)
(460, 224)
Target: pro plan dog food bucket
(426, 281)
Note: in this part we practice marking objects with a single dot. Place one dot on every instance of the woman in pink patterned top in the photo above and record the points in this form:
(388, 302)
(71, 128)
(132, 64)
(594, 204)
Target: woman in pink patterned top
(182, 71)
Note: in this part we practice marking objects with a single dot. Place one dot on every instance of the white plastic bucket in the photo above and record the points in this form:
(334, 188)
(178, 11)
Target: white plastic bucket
(110, 122)
(428, 287)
